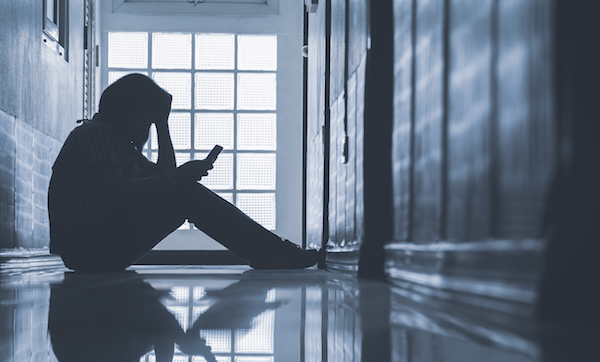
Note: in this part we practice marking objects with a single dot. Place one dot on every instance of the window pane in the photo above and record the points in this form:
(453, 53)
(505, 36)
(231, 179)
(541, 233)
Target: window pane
(114, 76)
(257, 91)
(253, 359)
(214, 91)
(218, 358)
(215, 51)
(221, 176)
(128, 50)
(226, 196)
(257, 131)
(256, 171)
(179, 85)
(219, 340)
(257, 52)
(180, 128)
(153, 138)
(171, 51)
(259, 338)
(213, 129)
(181, 158)
(260, 207)
(181, 314)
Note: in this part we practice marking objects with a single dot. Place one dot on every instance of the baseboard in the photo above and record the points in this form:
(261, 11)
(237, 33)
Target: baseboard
(343, 260)
(499, 275)
(21, 260)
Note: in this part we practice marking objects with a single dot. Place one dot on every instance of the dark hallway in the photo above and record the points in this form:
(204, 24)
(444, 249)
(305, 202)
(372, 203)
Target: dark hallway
(444, 156)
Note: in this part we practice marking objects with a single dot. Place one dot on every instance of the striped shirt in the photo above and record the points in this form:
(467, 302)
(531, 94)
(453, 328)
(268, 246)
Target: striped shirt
(74, 202)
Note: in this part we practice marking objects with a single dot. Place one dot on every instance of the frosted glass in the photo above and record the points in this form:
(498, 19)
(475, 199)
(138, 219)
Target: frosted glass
(256, 171)
(214, 91)
(213, 129)
(181, 314)
(218, 358)
(127, 50)
(257, 52)
(171, 51)
(114, 76)
(179, 85)
(180, 293)
(181, 158)
(153, 137)
(180, 128)
(219, 340)
(258, 339)
(221, 176)
(215, 51)
(257, 131)
(257, 91)
(259, 207)
(226, 196)
(253, 359)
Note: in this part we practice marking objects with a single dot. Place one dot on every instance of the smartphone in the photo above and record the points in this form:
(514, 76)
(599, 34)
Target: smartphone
(212, 156)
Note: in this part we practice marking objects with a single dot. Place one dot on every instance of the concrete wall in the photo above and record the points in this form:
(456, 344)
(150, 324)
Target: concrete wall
(40, 100)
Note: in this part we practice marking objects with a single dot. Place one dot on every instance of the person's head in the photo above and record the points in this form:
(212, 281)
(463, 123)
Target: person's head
(133, 103)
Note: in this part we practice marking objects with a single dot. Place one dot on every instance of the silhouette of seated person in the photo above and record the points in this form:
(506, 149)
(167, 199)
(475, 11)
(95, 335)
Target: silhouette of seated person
(109, 205)
(116, 317)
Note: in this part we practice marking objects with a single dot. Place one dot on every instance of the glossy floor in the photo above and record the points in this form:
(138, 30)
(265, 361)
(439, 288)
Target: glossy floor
(236, 314)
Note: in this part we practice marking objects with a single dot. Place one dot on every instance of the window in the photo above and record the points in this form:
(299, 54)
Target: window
(224, 89)
(55, 33)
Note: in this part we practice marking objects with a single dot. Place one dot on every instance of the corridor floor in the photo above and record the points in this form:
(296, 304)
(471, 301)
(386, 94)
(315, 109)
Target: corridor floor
(236, 314)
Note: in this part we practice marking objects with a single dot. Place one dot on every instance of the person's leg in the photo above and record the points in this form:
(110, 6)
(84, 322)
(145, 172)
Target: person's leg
(132, 230)
(229, 226)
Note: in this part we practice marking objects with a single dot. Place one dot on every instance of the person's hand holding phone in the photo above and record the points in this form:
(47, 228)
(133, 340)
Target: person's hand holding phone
(196, 169)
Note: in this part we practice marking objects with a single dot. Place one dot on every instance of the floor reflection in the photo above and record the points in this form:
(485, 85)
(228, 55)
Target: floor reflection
(240, 315)
(116, 317)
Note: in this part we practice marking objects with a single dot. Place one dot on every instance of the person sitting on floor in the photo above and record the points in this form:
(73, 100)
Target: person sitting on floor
(109, 205)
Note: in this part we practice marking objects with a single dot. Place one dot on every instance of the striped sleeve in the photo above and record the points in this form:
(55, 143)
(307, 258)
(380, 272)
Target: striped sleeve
(96, 146)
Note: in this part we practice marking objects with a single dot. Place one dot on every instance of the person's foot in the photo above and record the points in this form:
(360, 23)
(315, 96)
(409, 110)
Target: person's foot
(286, 255)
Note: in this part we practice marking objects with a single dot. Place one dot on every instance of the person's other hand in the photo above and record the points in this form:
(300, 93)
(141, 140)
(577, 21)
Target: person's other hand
(193, 170)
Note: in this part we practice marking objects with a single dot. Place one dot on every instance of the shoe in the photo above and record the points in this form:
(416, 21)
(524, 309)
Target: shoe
(287, 256)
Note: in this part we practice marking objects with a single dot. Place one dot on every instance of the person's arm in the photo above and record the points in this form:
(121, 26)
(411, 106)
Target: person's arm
(109, 180)
(166, 153)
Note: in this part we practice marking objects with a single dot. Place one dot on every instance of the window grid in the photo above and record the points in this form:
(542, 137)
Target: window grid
(190, 153)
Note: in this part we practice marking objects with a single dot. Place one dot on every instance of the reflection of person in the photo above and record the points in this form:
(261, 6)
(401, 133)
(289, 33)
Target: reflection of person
(115, 317)
(109, 205)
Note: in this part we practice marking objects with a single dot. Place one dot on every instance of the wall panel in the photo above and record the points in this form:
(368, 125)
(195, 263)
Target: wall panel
(7, 180)
(337, 54)
(469, 121)
(40, 99)
(525, 122)
(429, 113)
(403, 117)
(316, 106)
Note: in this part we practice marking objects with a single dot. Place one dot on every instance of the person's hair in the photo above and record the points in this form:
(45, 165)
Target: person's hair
(131, 94)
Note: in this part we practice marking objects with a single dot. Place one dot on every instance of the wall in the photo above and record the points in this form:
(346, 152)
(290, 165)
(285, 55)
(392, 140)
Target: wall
(492, 145)
(40, 99)
(474, 140)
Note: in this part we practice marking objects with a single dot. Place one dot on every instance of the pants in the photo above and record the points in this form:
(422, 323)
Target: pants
(128, 233)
